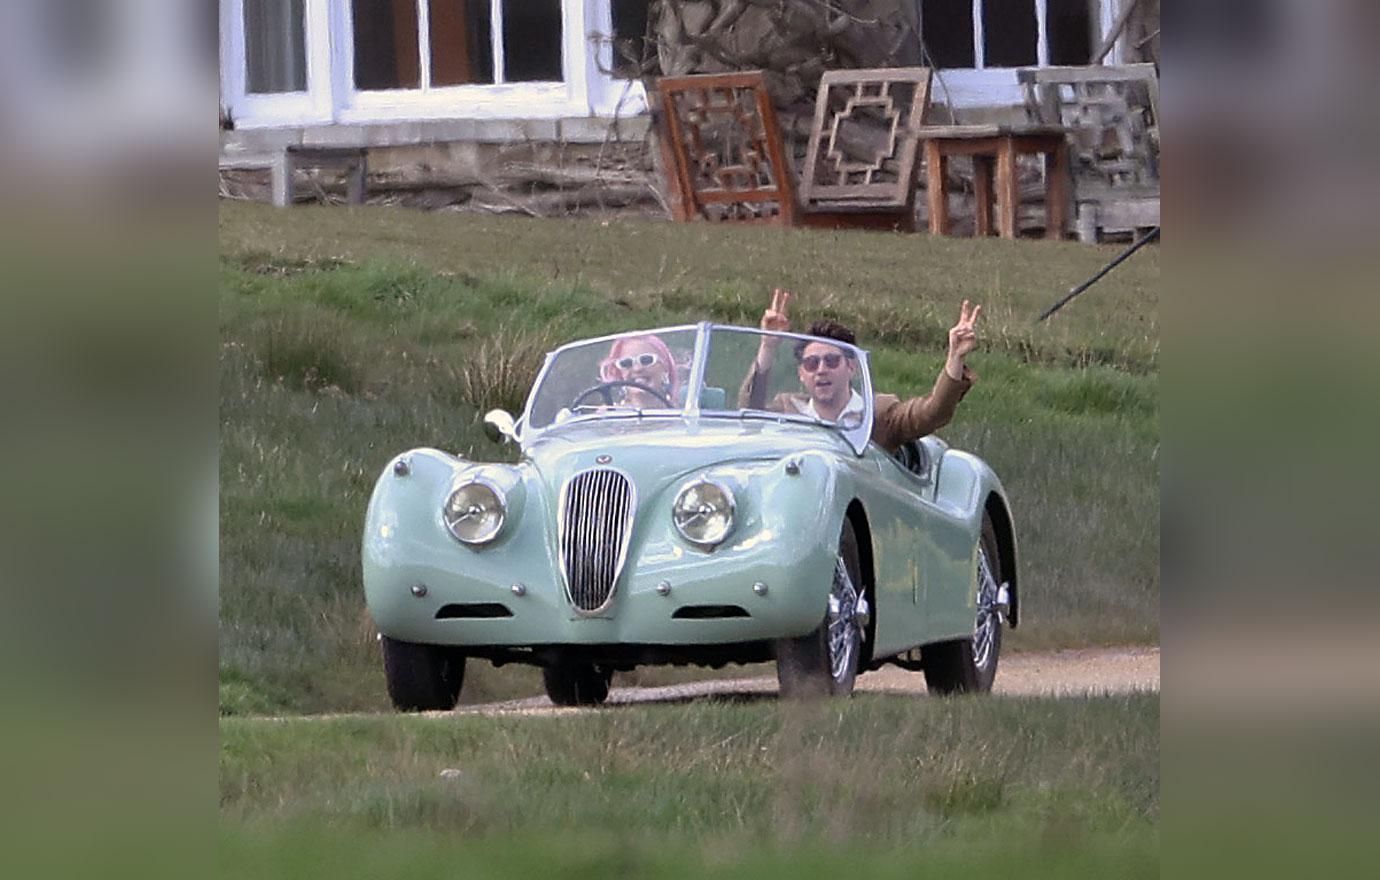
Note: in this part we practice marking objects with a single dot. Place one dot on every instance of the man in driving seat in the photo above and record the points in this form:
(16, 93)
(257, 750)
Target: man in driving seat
(826, 373)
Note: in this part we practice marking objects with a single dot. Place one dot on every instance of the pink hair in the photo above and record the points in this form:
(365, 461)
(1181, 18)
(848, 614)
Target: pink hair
(609, 372)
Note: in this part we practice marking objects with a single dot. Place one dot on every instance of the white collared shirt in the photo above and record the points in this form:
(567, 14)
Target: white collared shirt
(855, 405)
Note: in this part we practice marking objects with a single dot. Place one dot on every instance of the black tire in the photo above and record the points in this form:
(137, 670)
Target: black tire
(986, 661)
(952, 667)
(576, 684)
(804, 665)
(949, 667)
(422, 678)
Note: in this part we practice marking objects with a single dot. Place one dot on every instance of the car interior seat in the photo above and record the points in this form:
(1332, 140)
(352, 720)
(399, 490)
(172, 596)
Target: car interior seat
(713, 398)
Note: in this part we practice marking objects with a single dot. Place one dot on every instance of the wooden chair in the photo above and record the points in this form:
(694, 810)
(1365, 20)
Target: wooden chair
(1112, 116)
(726, 160)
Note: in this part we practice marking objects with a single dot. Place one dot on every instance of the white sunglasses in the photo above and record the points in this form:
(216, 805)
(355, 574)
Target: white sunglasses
(627, 362)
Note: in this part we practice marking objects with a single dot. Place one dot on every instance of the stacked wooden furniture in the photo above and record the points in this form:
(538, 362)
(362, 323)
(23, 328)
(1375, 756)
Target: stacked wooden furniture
(726, 160)
(1111, 114)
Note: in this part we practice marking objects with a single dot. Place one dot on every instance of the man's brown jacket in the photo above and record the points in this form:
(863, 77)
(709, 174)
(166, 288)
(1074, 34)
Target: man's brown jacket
(893, 421)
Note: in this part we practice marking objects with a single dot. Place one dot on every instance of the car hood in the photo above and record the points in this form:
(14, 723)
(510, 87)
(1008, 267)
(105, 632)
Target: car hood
(658, 450)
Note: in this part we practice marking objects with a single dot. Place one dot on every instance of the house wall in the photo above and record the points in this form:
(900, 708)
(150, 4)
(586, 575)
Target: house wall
(582, 142)
(886, 36)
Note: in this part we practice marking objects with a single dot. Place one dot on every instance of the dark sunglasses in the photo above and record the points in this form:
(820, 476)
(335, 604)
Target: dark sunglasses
(811, 362)
(627, 362)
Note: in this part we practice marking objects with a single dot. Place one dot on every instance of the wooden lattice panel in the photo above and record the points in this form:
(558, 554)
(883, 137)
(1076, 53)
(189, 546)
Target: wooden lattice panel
(726, 147)
(863, 144)
(1112, 117)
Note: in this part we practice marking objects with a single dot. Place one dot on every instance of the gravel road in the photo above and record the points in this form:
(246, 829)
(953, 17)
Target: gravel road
(1056, 673)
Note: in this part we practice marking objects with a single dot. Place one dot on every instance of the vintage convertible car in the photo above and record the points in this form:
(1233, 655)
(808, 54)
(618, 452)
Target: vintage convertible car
(664, 511)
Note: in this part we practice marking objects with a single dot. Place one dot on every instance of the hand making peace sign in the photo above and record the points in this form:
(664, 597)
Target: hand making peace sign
(775, 317)
(963, 336)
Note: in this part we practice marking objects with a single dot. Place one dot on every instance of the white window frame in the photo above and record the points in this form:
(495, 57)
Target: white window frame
(1041, 34)
(982, 86)
(525, 100)
(331, 96)
(608, 95)
(279, 108)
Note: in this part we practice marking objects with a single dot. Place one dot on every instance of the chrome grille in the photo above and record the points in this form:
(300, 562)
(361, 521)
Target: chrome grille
(595, 522)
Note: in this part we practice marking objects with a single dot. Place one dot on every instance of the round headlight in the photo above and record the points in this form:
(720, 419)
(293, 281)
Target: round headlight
(703, 512)
(474, 513)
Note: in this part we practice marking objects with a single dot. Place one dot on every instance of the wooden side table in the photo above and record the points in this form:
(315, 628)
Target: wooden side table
(994, 149)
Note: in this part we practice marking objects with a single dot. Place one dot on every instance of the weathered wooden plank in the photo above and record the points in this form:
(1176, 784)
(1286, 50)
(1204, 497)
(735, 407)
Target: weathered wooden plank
(974, 132)
(967, 147)
(780, 167)
(1058, 190)
(1094, 73)
(1129, 214)
(730, 196)
(880, 75)
(1008, 195)
(983, 171)
(677, 140)
(936, 192)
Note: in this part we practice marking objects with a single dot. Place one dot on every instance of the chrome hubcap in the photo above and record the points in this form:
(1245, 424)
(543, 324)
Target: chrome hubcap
(992, 608)
(849, 614)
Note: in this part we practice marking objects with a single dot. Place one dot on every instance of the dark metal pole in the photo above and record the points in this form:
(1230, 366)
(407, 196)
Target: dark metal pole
(1150, 236)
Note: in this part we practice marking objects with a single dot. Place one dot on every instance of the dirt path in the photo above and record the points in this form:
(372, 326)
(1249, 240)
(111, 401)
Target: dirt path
(1057, 673)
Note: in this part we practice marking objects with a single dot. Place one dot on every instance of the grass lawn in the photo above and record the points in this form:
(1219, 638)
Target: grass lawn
(880, 784)
(348, 335)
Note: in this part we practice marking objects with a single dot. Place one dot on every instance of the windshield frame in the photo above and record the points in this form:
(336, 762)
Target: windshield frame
(856, 437)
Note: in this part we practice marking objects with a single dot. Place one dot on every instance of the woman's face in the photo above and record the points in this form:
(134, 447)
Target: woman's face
(638, 361)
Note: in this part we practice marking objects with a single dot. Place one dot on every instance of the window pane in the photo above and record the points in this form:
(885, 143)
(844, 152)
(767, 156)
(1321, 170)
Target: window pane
(386, 55)
(1010, 32)
(462, 50)
(275, 46)
(532, 40)
(1070, 31)
(946, 27)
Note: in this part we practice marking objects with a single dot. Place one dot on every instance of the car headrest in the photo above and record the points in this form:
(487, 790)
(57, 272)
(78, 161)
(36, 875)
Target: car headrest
(712, 398)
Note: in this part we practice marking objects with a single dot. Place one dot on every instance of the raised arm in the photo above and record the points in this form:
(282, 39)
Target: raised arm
(962, 340)
(896, 421)
(753, 393)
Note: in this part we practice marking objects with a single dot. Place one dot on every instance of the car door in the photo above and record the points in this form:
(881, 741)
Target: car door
(913, 544)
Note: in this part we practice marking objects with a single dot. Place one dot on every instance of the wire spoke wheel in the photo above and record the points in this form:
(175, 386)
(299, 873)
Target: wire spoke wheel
(969, 665)
(825, 661)
(846, 609)
(987, 633)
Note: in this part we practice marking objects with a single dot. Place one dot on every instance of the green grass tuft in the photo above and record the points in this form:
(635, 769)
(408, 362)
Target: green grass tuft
(892, 772)
(1101, 392)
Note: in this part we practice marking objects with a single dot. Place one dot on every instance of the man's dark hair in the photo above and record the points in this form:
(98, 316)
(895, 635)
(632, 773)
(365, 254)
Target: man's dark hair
(829, 329)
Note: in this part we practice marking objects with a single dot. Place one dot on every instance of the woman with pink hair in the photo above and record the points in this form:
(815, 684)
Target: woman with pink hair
(645, 360)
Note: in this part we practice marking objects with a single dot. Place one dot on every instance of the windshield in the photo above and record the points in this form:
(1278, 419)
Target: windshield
(615, 376)
(744, 374)
(748, 372)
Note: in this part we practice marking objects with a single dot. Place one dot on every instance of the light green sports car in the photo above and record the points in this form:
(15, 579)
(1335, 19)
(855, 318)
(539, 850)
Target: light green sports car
(659, 514)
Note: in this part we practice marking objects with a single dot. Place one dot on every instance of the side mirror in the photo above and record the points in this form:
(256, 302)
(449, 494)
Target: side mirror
(499, 426)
